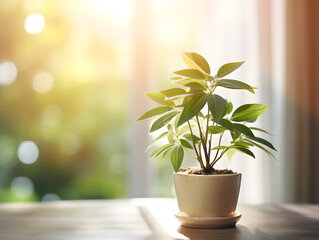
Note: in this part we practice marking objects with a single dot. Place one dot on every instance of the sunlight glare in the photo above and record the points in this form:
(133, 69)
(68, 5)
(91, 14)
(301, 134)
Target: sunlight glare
(22, 187)
(42, 82)
(8, 72)
(28, 152)
(50, 197)
(34, 23)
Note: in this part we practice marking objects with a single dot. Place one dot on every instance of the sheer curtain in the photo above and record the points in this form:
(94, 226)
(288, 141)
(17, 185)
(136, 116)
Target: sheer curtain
(277, 39)
(251, 31)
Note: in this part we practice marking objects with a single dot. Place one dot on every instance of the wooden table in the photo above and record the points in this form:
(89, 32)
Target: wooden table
(147, 219)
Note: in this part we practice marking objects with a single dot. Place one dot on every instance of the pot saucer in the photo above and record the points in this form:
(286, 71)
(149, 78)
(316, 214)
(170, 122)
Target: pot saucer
(208, 222)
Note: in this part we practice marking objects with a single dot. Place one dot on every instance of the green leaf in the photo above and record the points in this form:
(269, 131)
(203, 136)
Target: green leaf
(191, 73)
(159, 98)
(200, 114)
(260, 130)
(216, 129)
(226, 124)
(194, 86)
(177, 157)
(219, 147)
(243, 129)
(185, 81)
(176, 119)
(189, 137)
(253, 120)
(176, 78)
(156, 139)
(243, 144)
(229, 108)
(192, 108)
(162, 121)
(186, 144)
(217, 106)
(189, 94)
(154, 112)
(184, 129)
(210, 78)
(167, 151)
(248, 112)
(230, 153)
(196, 61)
(173, 92)
(244, 150)
(234, 84)
(170, 138)
(235, 134)
(262, 148)
(228, 68)
(159, 150)
(262, 141)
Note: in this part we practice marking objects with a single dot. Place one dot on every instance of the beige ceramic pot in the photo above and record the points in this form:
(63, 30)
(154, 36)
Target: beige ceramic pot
(207, 195)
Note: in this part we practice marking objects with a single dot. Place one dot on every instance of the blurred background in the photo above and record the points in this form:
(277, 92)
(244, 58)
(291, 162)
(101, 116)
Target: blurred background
(73, 73)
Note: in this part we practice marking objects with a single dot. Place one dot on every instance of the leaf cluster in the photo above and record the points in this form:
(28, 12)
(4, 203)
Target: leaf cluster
(191, 127)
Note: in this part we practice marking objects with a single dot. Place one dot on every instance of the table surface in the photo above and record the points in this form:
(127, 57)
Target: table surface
(148, 219)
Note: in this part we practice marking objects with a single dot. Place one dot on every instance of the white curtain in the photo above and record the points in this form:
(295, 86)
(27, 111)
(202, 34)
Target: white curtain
(252, 31)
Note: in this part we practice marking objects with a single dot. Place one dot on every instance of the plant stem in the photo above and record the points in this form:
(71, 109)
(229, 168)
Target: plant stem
(206, 137)
(199, 159)
(203, 143)
(199, 128)
(189, 152)
(210, 145)
(215, 159)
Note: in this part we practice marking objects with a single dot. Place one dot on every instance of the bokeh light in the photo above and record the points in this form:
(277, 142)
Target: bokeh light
(50, 197)
(70, 95)
(70, 143)
(22, 187)
(28, 152)
(34, 23)
(51, 115)
(8, 72)
(42, 82)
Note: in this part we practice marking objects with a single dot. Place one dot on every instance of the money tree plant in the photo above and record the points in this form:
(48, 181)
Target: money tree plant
(196, 118)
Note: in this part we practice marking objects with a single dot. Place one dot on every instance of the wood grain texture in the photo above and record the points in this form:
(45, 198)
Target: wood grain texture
(79, 220)
(148, 219)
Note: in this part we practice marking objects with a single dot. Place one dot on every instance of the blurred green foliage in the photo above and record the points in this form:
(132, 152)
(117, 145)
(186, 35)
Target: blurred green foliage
(82, 141)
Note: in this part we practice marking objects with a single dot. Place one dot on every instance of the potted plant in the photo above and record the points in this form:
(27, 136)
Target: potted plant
(196, 119)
